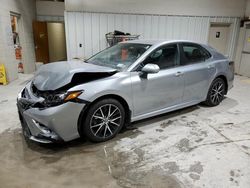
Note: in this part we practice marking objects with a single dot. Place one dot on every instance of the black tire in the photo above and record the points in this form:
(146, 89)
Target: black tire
(96, 129)
(216, 92)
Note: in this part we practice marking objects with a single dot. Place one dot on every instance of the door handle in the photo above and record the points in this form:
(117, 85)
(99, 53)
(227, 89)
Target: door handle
(178, 74)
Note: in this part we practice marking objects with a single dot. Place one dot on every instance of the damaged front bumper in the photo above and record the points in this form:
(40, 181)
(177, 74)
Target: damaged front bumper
(48, 125)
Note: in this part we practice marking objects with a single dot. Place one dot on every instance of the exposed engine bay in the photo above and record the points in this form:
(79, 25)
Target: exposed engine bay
(51, 83)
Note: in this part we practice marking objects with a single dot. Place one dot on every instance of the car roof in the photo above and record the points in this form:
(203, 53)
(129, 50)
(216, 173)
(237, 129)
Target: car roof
(158, 42)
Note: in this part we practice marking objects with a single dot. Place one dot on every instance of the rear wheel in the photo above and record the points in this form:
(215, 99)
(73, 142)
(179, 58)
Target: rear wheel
(216, 92)
(104, 120)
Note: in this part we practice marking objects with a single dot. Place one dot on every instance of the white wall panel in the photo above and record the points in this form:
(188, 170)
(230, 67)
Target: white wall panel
(95, 24)
(118, 21)
(125, 22)
(154, 27)
(71, 39)
(170, 27)
(89, 29)
(140, 24)
(79, 34)
(147, 26)
(162, 31)
(133, 23)
(87, 35)
(104, 29)
(111, 22)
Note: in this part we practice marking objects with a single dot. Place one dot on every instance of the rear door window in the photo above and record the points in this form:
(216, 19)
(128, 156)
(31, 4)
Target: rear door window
(193, 53)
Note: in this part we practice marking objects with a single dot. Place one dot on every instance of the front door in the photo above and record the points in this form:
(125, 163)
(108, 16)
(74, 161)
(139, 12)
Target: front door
(155, 92)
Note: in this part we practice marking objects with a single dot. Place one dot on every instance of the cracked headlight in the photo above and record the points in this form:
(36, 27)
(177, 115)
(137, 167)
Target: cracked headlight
(54, 99)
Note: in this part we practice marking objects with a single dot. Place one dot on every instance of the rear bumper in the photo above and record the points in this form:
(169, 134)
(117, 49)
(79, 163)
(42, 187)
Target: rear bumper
(50, 125)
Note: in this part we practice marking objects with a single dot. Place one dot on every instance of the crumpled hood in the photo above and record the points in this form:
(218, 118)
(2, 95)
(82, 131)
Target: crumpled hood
(55, 75)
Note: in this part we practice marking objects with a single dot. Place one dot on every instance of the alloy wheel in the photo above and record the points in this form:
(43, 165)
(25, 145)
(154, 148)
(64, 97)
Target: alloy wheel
(105, 121)
(217, 93)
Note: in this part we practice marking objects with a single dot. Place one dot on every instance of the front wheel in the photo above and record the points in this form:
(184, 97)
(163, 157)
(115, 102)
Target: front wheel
(104, 120)
(216, 92)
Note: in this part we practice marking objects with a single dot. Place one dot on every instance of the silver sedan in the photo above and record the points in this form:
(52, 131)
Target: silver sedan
(130, 81)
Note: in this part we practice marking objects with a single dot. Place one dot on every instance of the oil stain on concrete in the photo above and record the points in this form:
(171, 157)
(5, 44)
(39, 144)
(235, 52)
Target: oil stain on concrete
(129, 174)
(75, 164)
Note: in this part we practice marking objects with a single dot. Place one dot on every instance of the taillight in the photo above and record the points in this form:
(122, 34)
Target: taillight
(231, 66)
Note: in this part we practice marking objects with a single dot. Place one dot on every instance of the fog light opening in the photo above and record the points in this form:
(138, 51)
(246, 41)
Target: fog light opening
(41, 127)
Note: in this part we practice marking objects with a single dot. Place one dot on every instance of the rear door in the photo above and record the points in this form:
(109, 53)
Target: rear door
(161, 90)
(195, 69)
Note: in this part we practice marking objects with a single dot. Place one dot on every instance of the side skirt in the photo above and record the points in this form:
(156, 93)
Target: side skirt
(165, 110)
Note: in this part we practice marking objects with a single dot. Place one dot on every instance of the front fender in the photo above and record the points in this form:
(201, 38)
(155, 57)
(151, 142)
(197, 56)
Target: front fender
(119, 84)
(113, 92)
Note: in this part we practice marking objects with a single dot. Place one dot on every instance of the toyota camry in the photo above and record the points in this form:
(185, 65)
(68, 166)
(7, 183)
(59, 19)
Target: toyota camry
(127, 82)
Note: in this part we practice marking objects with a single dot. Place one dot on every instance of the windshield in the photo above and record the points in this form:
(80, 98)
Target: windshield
(120, 56)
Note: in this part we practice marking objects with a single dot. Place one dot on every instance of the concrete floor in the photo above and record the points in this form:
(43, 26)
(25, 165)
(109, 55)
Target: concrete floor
(194, 147)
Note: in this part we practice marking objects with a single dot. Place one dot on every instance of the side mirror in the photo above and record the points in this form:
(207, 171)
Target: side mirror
(150, 69)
